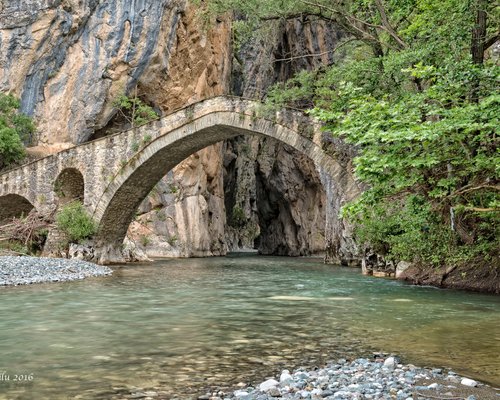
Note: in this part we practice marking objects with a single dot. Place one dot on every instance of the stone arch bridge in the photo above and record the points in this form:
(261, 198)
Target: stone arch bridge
(114, 174)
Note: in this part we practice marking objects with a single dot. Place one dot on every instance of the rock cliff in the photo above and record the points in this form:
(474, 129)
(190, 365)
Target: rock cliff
(188, 215)
(288, 205)
(68, 60)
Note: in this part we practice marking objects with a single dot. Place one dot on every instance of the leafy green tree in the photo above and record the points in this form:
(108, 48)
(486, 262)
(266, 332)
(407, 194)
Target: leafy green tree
(14, 129)
(417, 94)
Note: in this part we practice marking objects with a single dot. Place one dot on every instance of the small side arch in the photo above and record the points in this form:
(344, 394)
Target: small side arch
(13, 206)
(69, 186)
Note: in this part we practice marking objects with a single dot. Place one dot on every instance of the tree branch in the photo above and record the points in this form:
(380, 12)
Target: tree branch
(387, 26)
(361, 33)
(479, 209)
(492, 40)
(316, 54)
(296, 15)
(473, 189)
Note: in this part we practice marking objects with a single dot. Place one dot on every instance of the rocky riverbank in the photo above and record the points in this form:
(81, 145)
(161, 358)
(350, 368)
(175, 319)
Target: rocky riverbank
(363, 379)
(478, 276)
(28, 270)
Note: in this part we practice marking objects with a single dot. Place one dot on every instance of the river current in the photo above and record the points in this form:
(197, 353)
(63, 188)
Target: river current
(183, 326)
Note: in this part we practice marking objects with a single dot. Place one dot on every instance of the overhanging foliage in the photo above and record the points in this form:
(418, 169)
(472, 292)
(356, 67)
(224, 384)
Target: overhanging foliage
(417, 94)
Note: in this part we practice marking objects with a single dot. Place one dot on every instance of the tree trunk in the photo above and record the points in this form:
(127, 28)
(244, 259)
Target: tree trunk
(479, 33)
(478, 44)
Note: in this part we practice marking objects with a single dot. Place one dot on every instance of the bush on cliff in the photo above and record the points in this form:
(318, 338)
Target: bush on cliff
(14, 129)
(135, 111)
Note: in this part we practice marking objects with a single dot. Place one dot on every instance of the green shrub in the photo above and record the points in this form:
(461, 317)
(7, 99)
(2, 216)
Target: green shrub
(135, 147)
(75, 222)
(173, 188)
(238, 217)
(172, 240)
(15, 128)
(134, 110)
(411, 230)
(145, 240)
(11, 147)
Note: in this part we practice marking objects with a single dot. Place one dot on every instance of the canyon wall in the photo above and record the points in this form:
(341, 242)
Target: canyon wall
(289, 207)
(68, 61)
(185, 216)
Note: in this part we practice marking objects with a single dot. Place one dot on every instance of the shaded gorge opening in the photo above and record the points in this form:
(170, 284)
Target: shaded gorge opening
(232, 196)
(274, 198)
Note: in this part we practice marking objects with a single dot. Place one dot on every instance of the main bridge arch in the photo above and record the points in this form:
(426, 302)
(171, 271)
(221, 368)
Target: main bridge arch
(196, 127)
(116, 173)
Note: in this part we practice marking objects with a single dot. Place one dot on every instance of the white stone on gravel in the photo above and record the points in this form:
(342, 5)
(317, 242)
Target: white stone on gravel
(468, 382)
(390, 363)
(28, 270)
(268, 385)
(285, 377)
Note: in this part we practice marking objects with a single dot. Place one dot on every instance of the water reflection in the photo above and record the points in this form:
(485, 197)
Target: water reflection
(179, 326)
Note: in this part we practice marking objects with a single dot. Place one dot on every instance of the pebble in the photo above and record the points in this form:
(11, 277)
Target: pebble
(468, 382)
(268, 385)
(285, 377)
(344, 380)
(28, 270)
(390, 363)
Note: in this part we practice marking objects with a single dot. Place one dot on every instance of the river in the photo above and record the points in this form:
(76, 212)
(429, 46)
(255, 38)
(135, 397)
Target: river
(182, 326)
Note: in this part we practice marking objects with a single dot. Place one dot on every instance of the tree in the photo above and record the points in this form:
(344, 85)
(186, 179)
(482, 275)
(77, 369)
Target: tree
(134, 110)
(14, 128)
(418, 96)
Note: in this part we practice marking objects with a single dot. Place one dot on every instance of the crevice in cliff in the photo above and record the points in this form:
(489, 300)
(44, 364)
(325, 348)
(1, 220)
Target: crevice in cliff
(290, 204)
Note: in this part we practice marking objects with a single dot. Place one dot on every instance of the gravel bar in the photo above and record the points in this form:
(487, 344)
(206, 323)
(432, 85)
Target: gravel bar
(381, 378)
(28, 270)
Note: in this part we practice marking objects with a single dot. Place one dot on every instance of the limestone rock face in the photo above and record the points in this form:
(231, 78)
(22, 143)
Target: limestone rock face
(274, 198)
(68, 60)
(184, 216)
(187, 217)
(290, 201)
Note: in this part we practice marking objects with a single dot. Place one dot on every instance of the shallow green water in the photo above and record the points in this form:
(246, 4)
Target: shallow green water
(180, 326)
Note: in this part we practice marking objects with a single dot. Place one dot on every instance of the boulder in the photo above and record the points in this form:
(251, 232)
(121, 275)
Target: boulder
(468, 382)
(401, 268)
(82, 252)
